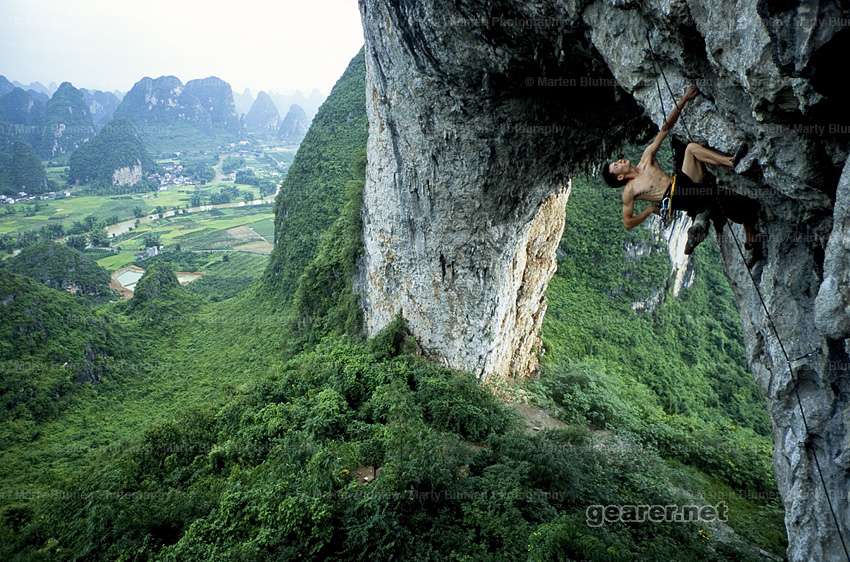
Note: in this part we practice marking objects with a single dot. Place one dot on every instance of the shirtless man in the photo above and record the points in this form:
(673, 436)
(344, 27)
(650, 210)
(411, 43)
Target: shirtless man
(648, 182)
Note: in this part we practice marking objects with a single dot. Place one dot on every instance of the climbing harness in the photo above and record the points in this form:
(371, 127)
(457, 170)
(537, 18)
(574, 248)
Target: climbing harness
(666, 210)
(788, 361)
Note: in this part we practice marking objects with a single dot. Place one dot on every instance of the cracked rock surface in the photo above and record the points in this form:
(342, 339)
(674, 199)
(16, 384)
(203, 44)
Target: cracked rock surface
(479, 111)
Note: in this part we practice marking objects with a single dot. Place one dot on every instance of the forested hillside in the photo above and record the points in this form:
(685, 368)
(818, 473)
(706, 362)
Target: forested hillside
(172, 116)
(67, 122)
(314, 191)
(116, 147)
(62, 267)
(265, 426)
(21, 170)
(52, 346)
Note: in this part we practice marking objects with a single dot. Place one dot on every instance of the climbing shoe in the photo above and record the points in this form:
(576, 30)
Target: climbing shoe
(739, 154)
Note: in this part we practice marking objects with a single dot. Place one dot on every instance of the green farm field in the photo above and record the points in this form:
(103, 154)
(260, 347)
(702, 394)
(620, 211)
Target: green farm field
(76, 208)
(220, 230)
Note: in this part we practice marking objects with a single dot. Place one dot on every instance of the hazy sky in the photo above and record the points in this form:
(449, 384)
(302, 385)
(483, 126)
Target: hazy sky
(110, 44)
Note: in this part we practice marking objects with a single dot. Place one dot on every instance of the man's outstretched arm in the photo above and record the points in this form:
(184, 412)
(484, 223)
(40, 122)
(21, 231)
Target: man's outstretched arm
(669, 123)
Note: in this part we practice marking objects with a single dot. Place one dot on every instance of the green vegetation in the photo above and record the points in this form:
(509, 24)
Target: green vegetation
(159, 302)
(215, 230)
(231, 164)
(197, 117)
(199, 170)
(68, 106)
(61, 267)
(21, 171)
(229, 195)
(227, 276)
(19, 218)
(67, 112)
(313, 193)
(50, 344)
(324, 302)
(24, 224)
(278, 473)
(259, 424)
(247, 177)
(20, 107)
(224, 274)
(116, 146)
(163, 140)
(158, 282)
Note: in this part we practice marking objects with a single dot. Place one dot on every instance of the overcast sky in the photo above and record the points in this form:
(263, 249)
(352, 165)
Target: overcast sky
(110, 44)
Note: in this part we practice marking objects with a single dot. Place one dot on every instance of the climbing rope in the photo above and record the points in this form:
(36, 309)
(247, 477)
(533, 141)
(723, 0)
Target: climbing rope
(788, 361)
(667, 84)
(666, 210)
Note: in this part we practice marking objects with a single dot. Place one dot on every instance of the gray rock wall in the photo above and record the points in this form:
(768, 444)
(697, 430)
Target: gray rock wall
(796, 154)
(479, 112)
(469, 158)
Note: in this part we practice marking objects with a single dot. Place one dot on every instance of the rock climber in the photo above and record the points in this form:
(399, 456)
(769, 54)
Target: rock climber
(701, 200)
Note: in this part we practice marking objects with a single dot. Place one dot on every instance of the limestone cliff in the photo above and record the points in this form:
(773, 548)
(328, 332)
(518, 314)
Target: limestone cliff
(128, 175)
(674, 237)
(466, 149)
(479, 112)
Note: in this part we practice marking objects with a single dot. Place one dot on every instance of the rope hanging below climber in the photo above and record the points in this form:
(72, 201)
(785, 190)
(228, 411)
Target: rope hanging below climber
(682, 192)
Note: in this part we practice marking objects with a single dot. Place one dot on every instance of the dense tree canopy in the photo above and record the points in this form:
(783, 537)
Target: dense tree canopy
(61, 267)
(21, 170)
(116, 146)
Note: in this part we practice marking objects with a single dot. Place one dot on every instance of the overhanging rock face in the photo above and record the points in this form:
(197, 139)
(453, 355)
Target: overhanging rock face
(480, 110)
(470, 150)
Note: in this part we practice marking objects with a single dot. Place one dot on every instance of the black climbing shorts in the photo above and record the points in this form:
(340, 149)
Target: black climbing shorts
(694, 198)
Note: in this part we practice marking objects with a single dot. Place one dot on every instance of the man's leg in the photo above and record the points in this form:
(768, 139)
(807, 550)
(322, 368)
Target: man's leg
(693, 165)
(688, 197)
(696, 156)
